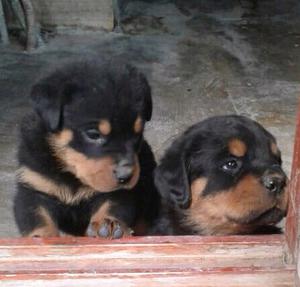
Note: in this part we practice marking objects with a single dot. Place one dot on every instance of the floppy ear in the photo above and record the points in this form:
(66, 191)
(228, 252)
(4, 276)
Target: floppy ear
(143, 90)
(47, 103)
(49, 97)
(171, 177)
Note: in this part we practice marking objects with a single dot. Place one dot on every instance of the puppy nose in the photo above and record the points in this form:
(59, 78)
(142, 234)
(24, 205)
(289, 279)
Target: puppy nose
(274, 181)
(124, 171)
(274, 184)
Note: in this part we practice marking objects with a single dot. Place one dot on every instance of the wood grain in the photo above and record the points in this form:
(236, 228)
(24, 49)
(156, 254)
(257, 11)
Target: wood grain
(275, 278)
(292, 220)
(146, 261)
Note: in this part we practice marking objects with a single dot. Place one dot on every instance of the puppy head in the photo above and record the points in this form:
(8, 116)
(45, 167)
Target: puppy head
(95, 114)
(224, 176)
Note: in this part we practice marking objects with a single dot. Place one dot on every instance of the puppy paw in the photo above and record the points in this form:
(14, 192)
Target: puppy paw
(108, 228)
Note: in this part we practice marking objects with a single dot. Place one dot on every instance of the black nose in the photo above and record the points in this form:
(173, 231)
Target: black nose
(124, 171)
(274, 182)
(274, 185)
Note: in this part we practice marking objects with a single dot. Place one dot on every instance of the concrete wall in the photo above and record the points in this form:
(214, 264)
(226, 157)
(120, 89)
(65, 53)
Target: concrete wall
(93, 14)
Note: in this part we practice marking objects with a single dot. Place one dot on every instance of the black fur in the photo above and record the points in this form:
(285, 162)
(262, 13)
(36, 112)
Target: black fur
(73, 97)
(200, 153)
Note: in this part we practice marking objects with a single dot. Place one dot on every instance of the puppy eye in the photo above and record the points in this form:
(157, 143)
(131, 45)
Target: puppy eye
(231, 165)
(94, 135)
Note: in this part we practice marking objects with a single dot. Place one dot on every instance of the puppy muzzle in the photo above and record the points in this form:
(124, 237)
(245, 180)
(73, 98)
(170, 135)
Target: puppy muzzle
(123, 171)
(274, 180)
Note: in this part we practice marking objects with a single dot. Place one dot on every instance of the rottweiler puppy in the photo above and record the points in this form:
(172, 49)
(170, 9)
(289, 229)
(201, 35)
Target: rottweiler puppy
(85, 168)
(223, 176)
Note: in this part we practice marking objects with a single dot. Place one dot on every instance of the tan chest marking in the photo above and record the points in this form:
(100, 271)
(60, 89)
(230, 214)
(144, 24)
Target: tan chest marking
(43, 184)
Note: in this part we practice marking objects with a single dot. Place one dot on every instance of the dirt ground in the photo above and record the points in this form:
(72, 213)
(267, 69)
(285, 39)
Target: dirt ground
(202, 58)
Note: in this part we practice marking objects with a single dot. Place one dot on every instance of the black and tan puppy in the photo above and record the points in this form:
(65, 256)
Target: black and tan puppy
(85, 168)
(222, 176)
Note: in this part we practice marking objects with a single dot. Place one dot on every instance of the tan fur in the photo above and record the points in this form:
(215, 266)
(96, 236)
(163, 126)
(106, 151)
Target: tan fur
(197, 187)
(101, 216)
(63, 138)
(284, 201)
(222, 212)
(48, 229)
(237, 147)
(275, 149)
(95, 173)
(98, 174)
(104, 127)
(46, 185)
(138, 125)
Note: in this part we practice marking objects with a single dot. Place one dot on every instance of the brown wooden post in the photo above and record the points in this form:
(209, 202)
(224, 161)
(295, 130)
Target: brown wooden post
(297, 283)
(292, 220)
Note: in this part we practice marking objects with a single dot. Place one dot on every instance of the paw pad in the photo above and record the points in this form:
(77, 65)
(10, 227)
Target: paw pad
(108, 228)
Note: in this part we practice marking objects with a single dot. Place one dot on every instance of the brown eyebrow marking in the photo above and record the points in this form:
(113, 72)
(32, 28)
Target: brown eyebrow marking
(138, 125)
(237, 147)
(64, 137)
(104, 127)
(274, 148)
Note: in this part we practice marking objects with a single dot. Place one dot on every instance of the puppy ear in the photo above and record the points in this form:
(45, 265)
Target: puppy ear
(47, 103)
(171, 177)
(143, 90)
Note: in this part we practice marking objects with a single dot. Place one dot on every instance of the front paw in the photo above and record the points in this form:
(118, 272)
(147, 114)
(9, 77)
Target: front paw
(108, 228)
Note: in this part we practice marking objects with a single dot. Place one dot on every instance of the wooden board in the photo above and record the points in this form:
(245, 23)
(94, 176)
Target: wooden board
(146, 261)
(292, 220)
(275, 278)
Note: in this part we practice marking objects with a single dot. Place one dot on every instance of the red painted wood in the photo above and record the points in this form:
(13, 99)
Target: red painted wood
(292, 220)
(258, 278)
(254, 239)
(206, 271)
(146, 261)
(140, 255)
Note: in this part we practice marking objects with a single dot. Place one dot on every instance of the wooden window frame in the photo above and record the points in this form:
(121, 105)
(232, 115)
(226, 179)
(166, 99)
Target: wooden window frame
(160, 261)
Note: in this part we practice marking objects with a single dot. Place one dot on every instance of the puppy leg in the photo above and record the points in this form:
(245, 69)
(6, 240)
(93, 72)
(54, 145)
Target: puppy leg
(32, 218)
(104, 224)
(47, 228)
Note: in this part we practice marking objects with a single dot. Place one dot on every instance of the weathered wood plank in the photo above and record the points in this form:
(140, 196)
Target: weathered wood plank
(116, 258)
(292, 220)
(253, 239)
(245, 278)
(146, 261)
(298, 268)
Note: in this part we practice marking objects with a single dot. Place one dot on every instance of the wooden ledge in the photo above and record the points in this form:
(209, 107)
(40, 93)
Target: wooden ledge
(146, 261)
(227, 240)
